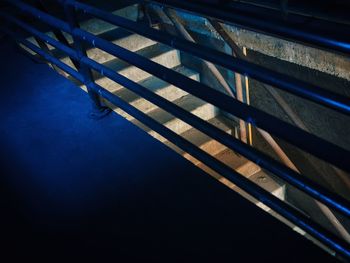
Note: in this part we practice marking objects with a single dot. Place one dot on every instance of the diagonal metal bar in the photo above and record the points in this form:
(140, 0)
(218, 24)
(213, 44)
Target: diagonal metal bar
(45, 55)
(245, 150)
(306, 141)
(320, 33)
(278, 80)
(57, 33)
(242, 182)
(245, 184)
(197, 87)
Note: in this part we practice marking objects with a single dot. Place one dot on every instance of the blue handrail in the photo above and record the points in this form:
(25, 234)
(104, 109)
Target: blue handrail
(304, 140)
(259, 19)
(265, 161)
(278, 80)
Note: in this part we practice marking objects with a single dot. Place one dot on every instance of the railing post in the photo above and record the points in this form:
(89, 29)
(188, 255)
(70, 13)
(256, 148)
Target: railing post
(45, 7)
(98, 109)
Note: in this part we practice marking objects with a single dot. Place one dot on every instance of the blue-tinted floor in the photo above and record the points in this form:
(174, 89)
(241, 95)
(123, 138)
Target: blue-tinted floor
(73, 188)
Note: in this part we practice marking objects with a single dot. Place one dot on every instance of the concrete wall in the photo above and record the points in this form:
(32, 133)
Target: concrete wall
(323, 69)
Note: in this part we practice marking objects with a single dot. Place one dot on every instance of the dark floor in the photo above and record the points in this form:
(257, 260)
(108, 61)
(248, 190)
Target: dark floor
(75, 188)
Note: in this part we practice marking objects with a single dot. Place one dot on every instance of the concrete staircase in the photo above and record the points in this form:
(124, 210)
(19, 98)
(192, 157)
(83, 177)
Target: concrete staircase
(169, 58)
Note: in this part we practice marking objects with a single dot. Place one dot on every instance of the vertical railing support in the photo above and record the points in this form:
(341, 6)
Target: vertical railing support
(98, 109)
(45, 7)
(44, 47)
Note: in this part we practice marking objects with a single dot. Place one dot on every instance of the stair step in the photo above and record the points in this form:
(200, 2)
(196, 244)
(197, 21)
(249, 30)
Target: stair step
(189, 103)
(158, 87)
(229, 158)
(132, 42)
(112, 36)
(203, 141)
(158, 53)
(249, 170)
(97, 26)
(269, 184)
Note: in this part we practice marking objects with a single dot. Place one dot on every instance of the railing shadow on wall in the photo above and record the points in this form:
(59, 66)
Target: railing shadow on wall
(318, 147)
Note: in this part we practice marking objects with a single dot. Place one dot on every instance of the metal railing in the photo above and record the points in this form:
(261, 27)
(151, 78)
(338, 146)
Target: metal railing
(280, 153)
(323, 149)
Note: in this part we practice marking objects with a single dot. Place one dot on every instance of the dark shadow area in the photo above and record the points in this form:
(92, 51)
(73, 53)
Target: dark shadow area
(73, 188)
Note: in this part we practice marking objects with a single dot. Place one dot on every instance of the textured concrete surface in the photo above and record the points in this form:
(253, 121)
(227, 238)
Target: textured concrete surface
(302, 55)
(323, 61)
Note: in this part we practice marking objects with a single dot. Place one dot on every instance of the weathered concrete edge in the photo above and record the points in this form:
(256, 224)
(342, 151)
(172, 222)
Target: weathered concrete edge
(324, 61)
(302, 55)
